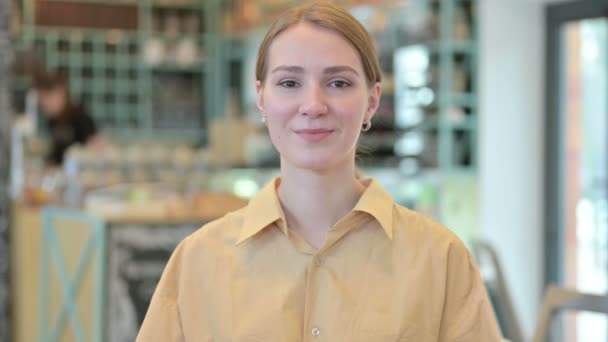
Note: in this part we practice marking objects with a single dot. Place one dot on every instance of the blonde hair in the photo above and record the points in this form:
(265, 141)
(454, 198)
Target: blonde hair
(329, 16)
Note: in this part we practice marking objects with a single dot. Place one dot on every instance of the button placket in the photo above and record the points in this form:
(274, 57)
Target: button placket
(316, 262)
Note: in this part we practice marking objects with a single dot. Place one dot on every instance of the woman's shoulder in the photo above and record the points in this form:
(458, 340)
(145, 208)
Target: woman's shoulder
(205, 248)
(219, 232)
(413, 227)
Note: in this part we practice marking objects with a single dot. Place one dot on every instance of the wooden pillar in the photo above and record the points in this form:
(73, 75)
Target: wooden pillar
(5, 129)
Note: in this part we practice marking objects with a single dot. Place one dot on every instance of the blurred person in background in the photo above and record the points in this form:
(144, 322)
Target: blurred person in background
(319, 254)
(69, 122)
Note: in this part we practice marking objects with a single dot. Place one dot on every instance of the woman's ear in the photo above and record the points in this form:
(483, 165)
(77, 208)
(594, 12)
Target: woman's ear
(373, 102)
(259, 89)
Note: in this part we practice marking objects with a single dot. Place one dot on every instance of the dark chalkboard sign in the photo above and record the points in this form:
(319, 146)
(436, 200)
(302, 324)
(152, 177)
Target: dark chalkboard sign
(137, 255)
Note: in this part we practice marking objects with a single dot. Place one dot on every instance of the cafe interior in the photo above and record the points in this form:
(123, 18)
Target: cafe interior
(493, 121)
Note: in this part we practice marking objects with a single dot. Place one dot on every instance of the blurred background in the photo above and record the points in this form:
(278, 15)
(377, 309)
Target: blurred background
(125, 125)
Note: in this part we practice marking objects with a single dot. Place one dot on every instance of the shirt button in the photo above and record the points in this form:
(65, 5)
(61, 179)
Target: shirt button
(315, 331)
(318, 262)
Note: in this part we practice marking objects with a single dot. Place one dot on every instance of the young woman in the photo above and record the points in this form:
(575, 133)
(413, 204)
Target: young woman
(319, 254)
(68, 121)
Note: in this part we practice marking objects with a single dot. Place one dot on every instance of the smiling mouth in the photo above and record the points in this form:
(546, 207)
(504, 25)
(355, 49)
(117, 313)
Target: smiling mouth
(313, 135)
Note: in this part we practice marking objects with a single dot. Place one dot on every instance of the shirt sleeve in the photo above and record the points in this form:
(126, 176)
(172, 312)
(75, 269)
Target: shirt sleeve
(467, 314)
(163, 321)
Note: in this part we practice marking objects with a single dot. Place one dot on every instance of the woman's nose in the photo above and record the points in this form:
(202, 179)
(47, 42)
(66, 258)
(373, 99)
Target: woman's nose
(315, 103)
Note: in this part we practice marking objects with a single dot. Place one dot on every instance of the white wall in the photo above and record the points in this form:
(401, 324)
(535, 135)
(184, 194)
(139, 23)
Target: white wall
(511, 88)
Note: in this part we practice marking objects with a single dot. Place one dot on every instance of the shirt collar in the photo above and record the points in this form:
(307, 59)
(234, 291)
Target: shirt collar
(378, 203)
(264, 209)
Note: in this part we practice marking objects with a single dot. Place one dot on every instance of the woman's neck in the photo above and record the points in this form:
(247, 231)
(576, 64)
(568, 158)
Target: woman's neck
(314, 201)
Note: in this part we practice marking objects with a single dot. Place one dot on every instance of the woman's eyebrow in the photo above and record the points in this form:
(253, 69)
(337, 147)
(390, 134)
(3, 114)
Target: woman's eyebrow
(340, 68)
(289, 68)
(329, 70)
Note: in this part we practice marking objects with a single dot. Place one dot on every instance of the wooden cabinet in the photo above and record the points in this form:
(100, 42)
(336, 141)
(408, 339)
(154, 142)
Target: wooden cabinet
(77, 278)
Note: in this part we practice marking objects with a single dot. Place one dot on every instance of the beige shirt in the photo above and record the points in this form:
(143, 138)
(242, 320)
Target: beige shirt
(385, 273)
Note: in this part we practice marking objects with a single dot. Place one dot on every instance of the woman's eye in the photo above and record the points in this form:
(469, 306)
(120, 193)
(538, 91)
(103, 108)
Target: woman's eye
(288, 84)
(339, 84)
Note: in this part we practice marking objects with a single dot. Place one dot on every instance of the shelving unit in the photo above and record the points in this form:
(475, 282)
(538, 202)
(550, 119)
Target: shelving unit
(108, 70)
(450, 57)
(150, 80)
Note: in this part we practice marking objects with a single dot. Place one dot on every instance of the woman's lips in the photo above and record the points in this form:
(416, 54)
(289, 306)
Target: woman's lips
(313, 135)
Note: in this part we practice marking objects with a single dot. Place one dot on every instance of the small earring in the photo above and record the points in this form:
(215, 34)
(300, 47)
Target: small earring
(366, 126)
(264, 119)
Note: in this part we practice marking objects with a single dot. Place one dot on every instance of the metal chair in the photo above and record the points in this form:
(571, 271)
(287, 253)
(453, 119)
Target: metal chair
(493, 278)
(558, 299)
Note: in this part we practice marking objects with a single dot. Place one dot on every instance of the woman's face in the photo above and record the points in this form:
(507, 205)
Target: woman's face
(52, 101)
(315, 97)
